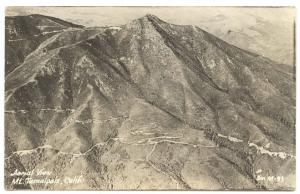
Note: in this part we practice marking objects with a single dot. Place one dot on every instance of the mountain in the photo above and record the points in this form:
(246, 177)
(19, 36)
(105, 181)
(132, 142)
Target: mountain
(147, 105)
(253, 33)
(25, 33)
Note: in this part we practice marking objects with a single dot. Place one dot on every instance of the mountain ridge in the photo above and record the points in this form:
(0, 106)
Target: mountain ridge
(151, 84)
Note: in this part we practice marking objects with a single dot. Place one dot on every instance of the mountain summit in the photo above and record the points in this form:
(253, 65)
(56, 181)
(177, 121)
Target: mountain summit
(146, 105)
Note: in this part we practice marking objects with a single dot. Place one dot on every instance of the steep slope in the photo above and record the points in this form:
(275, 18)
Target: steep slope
(24, 33)
(151, 105)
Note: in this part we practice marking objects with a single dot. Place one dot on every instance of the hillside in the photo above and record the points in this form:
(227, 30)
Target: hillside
(146, 105)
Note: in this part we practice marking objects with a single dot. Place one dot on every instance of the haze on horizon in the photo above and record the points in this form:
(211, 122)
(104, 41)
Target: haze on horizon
(259, 29)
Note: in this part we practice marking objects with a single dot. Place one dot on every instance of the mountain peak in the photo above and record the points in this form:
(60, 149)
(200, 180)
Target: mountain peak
(172, 96)
(152, 17)
(149, 15)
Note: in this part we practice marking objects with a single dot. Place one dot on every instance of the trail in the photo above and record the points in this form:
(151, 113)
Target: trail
(49, 147)
(262, 150)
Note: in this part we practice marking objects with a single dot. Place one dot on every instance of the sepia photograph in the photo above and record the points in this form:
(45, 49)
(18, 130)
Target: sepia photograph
(150, 98)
